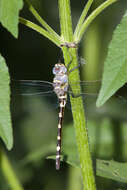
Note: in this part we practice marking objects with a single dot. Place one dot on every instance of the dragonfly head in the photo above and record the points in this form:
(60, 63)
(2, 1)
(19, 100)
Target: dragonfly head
(59, 69)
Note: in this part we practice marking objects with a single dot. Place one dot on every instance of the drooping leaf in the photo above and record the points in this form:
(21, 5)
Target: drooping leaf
(9, 15)
(104, 168)
(5, 118)
(112, 170)
(115, 67)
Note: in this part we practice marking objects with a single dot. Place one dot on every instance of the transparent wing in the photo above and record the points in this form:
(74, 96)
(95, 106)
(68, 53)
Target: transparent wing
(37, 87)
(31, 87)
(89, 93)
(86, 83)
(92, 87)
(87, 87)
(35, 90)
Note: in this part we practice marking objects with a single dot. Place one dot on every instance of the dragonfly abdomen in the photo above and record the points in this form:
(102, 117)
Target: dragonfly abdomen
(62, 103)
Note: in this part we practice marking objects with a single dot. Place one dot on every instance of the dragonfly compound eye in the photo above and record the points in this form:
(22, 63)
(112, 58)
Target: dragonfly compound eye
(59, 69)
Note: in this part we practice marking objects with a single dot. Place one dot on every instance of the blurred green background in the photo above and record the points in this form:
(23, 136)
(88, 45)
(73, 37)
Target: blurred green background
(32, 56)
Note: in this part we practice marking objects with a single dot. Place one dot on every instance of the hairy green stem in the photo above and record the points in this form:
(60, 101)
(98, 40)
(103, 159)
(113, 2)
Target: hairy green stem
(91, 17)
(82, 17)
(8, 172)
(41, 20)
(77, 103)
(39, 30)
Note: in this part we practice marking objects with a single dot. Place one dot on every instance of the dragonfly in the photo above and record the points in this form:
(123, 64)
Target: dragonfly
(61, 87)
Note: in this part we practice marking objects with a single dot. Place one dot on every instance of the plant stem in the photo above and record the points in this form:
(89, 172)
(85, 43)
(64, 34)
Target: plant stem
(77, 103)
(90, 18)
(82, 17)
(40, 30)
(8, 172)
(41, 20)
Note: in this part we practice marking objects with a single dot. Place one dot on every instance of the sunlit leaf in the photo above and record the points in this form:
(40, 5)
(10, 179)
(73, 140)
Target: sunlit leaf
(9, 15)
(115, 67)
(5, 118)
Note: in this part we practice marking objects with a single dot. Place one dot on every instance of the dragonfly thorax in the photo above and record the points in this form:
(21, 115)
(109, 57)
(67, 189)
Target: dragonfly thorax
(60, 89)
(60, 84)
(60, 81)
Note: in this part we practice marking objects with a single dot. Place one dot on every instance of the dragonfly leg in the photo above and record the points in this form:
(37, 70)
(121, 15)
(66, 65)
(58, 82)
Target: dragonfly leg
(69, 44)
(72, 93)
(81, 62)
(69, 71)
(59, 60)
(76, 67)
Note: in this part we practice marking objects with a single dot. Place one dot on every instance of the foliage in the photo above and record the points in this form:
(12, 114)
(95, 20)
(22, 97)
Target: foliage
(115, 73)
(9, 15)
(5, 118)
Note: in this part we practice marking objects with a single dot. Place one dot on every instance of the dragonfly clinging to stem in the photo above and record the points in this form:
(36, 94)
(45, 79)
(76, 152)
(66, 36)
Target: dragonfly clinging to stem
(60, 86)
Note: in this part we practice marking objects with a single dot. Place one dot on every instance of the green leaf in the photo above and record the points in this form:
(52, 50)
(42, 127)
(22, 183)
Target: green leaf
(104, 168)
(115, 67)
(5, 118)
(112, 170)
(9, 15)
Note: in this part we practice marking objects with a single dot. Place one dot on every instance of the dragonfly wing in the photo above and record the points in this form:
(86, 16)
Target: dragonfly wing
(34, 90)
(112, 108)
(83, 91)
(86, 83)
(31, 87)
(87, 87)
